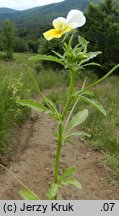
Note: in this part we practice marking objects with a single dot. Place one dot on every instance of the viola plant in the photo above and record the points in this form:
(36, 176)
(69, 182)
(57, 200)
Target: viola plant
(74, 59)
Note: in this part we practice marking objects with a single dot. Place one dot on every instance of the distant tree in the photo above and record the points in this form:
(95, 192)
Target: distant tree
(102, 31)
(33, 46)
(9, 31)
(21, 45)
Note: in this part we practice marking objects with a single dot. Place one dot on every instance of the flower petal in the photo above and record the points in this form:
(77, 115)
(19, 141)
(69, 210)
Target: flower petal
(68, 28)
(59, 23)
(76, 17)
(52, 33)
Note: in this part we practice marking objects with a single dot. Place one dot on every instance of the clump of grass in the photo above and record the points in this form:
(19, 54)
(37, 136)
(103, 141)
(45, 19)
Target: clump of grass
(12, 88)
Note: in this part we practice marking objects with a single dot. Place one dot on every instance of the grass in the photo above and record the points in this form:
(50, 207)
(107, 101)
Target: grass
(12, 87)
(105, 130)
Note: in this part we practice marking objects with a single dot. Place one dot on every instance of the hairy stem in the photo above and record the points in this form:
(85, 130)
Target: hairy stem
(72, 81)
(57, 160)
(66, 107)
(71, 112)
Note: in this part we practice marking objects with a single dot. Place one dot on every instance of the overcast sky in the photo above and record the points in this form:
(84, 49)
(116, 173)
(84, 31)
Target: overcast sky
(25, 4)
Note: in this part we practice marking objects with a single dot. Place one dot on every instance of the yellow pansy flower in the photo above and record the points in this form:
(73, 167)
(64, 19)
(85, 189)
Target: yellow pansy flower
(75, 19)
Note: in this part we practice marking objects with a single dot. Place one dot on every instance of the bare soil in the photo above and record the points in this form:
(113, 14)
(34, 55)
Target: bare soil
(34, 161)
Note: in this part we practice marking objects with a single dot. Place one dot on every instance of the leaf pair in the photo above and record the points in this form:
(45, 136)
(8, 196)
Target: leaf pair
(65, 179)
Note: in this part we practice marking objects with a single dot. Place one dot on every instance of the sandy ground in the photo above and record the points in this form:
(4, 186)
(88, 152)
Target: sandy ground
(34, 161)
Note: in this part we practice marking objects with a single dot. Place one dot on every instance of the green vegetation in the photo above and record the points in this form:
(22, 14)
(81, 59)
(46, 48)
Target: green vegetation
(8, 38)
(15, 83)
(104, 130)
(103, 21)
(12, 87)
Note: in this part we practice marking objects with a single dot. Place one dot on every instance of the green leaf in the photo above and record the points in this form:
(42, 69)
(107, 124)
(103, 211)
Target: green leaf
(58, 54)
(72, 181)
(78, 133)
(68, 172)
(27, 195)
(91, 64)
(88, 93)
(94, 103)
(53, 190)
(69, 141)
(52, 104)
(83, 42)
(46, 58)
(54, 109)
(33, 105)
(90, 55)
(78, 118)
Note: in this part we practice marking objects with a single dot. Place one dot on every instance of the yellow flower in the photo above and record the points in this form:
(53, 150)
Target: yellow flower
(75, 19)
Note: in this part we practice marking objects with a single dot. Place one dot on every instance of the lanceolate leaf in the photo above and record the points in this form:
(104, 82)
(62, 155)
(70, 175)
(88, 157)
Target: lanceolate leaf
(68, 172)
(90, 94)
(94, 103)
(27, 195)
(46, 58)
(83, 42)
(78, 133)
(33, 105)
(71, 181)
(78, 118)
(52, 104)
(53, 190)
(91, 64)
(54, 109)
(58, 54)
(90, 55)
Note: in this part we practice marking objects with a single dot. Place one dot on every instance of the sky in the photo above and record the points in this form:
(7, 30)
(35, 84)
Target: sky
(25, 4)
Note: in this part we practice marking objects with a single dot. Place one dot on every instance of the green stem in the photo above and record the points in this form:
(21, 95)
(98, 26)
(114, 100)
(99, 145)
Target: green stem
(98, 81)
(72, 81)
(56, 169)
(70, 114)
(66, 107)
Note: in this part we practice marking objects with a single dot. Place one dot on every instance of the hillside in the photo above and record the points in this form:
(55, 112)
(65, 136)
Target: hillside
(45, 13)
(7, 13)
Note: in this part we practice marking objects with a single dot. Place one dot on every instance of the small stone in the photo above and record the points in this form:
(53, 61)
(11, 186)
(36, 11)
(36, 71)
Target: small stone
(16, 171)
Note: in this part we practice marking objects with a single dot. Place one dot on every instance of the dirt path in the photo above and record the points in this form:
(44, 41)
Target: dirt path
(34, 165)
